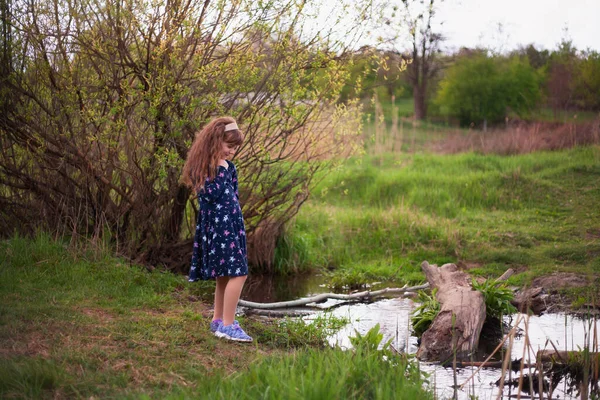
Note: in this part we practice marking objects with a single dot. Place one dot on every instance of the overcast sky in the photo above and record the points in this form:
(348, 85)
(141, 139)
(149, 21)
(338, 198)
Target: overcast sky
(475, 22)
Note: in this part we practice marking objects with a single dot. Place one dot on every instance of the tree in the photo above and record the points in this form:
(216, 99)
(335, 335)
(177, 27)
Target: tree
(109, 95)
(537, 58)
(423, 65)
(586, 87)
(559, 82)
(479, 89)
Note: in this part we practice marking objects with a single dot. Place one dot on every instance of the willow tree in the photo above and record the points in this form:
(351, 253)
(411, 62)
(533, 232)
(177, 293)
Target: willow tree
(102, 100)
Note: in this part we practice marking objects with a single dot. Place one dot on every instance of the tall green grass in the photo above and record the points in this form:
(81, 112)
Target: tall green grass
(381, 216)
(371, 370)
(326, 374)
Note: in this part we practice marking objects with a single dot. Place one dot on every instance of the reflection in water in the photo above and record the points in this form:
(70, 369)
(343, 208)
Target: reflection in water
(393, 315)
(269, 289)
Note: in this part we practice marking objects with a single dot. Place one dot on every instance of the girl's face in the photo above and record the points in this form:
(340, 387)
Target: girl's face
(228, 150)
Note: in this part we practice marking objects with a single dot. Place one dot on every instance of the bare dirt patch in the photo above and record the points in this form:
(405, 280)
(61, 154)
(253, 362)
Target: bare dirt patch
(30, 344)
(592, 234)
(468, 265)
(561, 281)
(97, 313)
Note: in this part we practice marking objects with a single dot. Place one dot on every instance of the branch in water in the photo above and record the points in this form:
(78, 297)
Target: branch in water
(279, 313)
(324, 296)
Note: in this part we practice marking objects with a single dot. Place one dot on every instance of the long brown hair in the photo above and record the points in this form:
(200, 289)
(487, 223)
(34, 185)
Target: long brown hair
(203, 157)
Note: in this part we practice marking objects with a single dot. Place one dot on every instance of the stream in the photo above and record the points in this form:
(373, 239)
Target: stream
(566, 332)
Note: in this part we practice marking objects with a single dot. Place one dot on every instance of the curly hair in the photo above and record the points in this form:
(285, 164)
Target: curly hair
(203, 157)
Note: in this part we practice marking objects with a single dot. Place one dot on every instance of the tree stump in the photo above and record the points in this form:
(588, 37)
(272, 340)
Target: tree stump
(533, 299)
(461, 317)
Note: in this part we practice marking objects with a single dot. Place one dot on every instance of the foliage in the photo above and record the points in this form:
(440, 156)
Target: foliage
(371, 340)
(572, 81)
(352, 279)
(295, 333)
(376, 72)
(586, 87)
(372, 343)
(423, 315)
(480, 89)
(497, 297)
(101, 102)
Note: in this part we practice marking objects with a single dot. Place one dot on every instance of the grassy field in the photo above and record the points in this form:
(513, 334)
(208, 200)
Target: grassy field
(378, 217)
(404, 108)
(563, 116)
(82, 324)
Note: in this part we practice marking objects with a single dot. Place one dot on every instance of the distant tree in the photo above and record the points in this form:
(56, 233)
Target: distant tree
(479, 89)
(562, 67)
(537, 58)
(586, 85)
(522, 86)
(425, 42)
(410, 30)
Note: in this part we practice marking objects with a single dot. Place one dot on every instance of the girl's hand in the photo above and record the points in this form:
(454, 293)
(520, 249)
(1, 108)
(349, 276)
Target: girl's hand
(223, 163)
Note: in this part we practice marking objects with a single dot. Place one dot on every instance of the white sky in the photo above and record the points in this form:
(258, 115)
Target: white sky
(541, 22)
(473, 23)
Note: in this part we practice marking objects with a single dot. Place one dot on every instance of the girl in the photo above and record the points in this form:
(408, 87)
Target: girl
(220, 241)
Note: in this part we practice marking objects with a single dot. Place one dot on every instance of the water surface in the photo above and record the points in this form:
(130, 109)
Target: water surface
(393, 315)
(564, 331)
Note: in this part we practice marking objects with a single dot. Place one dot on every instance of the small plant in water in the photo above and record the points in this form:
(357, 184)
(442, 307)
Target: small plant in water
(423, 315)
(497, 297)
(368, 346)
(370, 341)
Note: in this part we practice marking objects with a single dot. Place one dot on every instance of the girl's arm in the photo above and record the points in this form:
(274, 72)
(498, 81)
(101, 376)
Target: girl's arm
(234, 178)
(214, 189)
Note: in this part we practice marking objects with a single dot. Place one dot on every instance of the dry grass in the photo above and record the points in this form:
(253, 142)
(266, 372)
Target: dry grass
(520, 138)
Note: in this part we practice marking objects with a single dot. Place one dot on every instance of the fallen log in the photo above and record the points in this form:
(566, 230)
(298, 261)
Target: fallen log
(566, 357)
(515, 365)
(360, 296)
(507, 274)
(462, 314)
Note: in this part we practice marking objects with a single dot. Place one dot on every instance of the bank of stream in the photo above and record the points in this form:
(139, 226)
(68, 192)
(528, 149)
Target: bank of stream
(546, 332)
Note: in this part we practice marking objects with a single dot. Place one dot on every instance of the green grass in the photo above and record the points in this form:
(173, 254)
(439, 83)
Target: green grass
(363, 373)
(548, 115)
(82, 324)
(379, 217)
(404, 106)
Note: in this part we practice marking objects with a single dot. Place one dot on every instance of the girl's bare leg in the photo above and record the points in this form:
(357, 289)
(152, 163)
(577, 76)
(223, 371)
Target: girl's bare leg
(219, 296)
(231, 298)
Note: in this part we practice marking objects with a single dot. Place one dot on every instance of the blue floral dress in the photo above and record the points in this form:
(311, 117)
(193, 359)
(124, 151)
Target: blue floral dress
(220, 239)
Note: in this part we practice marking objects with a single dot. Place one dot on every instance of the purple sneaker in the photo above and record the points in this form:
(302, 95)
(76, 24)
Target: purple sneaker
(214, 325)
(232, 332)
